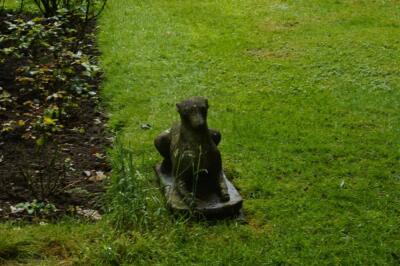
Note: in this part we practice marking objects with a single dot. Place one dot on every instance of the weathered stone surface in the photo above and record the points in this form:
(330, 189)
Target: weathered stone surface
(191, 171)
(209, 206)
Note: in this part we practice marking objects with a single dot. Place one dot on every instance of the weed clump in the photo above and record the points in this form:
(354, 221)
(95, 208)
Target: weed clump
(134, 202)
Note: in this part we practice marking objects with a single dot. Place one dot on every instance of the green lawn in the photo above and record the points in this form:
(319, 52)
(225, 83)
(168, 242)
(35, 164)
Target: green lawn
(306, 94)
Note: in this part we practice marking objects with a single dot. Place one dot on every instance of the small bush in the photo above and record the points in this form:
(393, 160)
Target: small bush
(46, 177)
(90, 8)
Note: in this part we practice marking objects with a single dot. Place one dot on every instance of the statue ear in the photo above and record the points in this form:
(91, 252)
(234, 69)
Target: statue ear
(178, 107)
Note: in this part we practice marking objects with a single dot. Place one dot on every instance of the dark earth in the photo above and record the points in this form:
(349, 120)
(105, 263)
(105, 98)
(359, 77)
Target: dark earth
(62, 161)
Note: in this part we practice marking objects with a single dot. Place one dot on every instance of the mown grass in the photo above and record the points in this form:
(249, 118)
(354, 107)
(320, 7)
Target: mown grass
(306, 95)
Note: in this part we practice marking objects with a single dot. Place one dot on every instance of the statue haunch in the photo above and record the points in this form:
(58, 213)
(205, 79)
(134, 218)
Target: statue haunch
(191, 155)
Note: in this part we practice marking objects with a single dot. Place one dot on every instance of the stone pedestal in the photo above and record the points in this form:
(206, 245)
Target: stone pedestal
(208, 206)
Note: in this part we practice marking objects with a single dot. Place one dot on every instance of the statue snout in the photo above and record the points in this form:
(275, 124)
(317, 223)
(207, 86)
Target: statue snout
(197, 121)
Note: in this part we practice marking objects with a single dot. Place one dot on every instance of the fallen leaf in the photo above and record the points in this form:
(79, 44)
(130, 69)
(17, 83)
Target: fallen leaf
(88, 213)
(99, 176)
(99, 155)
(145, 126)
(15, 209)
(87, 173)
(48, 121)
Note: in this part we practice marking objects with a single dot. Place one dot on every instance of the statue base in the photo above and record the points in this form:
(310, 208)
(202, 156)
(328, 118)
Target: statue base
(207, 207)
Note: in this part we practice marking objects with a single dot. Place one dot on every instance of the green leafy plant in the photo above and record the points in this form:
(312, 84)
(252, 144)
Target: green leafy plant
(36, 207)
(54, 74)
(51, 72)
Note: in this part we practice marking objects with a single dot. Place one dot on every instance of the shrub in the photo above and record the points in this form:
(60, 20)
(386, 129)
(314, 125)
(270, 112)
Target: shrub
(47, 176)
(90, 8)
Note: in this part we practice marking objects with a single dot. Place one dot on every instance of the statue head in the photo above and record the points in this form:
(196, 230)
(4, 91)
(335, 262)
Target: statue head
(193, 112)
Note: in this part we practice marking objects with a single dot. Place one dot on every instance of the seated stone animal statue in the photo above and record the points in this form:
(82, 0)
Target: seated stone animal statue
(191, 156)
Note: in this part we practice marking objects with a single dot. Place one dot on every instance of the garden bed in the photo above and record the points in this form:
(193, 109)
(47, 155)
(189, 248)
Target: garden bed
(52, 134)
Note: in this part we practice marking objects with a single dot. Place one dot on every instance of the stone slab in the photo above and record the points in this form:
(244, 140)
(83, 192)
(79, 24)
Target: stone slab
(210, 207)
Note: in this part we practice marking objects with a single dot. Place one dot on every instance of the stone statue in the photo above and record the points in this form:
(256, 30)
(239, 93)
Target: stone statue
(191, 171)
